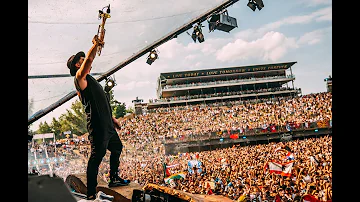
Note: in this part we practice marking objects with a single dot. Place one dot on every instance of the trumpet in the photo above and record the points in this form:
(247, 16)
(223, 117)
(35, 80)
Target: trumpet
(101, 29)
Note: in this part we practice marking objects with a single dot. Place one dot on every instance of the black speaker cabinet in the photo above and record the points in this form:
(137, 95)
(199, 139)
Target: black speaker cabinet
(44, 188)
(222, 22)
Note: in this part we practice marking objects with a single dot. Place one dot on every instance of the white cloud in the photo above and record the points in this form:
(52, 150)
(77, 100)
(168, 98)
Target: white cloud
(191, 57)
(213, 44)
(324, 14)
(245, 34)
(170, 49)
(313, 37)
(271, 47)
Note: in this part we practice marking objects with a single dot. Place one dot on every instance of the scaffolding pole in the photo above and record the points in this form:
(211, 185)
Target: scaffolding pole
(137, 55)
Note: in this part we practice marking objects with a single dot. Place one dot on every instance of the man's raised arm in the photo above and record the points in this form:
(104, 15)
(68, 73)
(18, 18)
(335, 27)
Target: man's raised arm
(89, 58)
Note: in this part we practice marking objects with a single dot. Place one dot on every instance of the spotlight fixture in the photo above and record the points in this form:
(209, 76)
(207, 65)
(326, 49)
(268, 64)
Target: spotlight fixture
(109, 84)
(197, 33)
(153, 55)
(253, 4)
(259, 4)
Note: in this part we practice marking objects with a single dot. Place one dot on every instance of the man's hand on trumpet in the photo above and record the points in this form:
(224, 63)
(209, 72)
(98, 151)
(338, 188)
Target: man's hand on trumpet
(97, 41)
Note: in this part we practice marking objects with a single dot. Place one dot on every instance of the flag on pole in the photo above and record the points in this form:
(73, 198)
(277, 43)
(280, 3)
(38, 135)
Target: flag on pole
(167, 169)
(283, 169)
(175, 176)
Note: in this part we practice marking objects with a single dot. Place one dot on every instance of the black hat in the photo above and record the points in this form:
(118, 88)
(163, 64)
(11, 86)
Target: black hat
(73, 60)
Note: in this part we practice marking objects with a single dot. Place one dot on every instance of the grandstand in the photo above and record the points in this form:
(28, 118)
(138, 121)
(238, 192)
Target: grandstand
(257, 82)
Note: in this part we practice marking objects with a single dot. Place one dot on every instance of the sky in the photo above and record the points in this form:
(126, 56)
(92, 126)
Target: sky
(283, 31)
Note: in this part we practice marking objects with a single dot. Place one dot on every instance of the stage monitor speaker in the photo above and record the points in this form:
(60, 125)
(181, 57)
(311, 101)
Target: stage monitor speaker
(44, 188)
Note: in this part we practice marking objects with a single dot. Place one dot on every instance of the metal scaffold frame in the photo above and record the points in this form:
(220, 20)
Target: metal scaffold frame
(137, 55)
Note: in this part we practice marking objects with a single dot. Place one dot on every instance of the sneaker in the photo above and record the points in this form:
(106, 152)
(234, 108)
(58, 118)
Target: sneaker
(118, 181)
(102, 196)
(91, 197)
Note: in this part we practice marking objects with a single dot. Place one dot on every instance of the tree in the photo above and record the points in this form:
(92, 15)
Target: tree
(113, 101)
(56, 127)
(74, 119)
(119, 110)
(65, 126)
(44, 128)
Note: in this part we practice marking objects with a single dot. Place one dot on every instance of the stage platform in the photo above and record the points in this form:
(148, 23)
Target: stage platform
(124, 193)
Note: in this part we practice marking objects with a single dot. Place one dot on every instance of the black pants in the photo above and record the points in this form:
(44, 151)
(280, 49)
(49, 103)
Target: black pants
(98, 151)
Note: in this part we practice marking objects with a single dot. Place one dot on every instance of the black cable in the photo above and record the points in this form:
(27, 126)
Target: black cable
(112, 22)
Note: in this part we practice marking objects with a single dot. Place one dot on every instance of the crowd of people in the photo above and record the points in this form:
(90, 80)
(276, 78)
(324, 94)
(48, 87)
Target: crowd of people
(46, 157)
(198, 119)
(240, 173)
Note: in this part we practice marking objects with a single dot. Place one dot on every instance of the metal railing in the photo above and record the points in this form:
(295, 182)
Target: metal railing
(251, 132)
(226, 82)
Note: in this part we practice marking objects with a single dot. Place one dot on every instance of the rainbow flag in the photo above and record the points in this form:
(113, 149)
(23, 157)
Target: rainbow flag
(175, 176)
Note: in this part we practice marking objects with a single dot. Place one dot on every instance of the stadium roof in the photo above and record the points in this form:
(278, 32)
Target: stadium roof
(227, 70)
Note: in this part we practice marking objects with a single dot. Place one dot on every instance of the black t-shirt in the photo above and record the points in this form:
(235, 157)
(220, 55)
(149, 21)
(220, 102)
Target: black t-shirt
(97, 108)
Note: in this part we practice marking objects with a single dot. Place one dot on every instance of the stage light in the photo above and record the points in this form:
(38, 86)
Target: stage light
(109, 84)
(259, 4)
(253, 4)
(55, 160)
(152, 56)
(61, 159)
(197, 33)
(47, 160)
(244, 137)
(42, 161)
